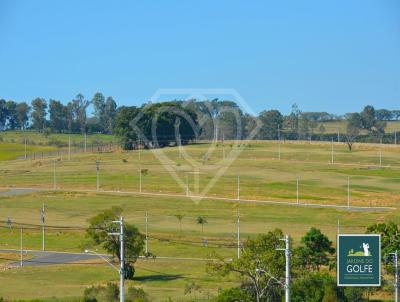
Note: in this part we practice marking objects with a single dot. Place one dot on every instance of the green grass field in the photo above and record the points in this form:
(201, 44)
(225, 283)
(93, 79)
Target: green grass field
(262, 177)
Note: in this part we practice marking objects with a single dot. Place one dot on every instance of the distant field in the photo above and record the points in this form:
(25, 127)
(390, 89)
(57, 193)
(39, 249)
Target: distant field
(262, 175)
(36, 138)
(9, 151)
(334, 127)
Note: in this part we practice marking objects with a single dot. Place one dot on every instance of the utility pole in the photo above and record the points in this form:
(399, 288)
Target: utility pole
(147, 237)
(97, 175)
(348, 192)
(395, 137)
(43, 219)
(122, 258)
(287, 270)
(338, 136)
(21, 251)
(332, 159)
(54, 176)
(238, 187)
(380, 154)
(297, 193)
(238, 235)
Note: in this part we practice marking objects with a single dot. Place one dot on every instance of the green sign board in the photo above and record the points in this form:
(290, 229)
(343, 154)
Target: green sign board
(359, 260)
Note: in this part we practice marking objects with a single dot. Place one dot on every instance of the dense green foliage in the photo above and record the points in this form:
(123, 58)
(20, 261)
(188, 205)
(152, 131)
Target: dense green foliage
(100, 227)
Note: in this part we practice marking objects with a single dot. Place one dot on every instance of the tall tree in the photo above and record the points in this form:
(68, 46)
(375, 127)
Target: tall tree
(353, 128)
(315, 250)
(99, 105)
(3, 114)
(110, 112)
(39, 107)
(272, 121)
(79, 105)
(23, 110)
(57, 117)
(12, 117)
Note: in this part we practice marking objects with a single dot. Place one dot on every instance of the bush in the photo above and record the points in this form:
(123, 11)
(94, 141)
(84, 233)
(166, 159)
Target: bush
(136, 295)
(109, 293)
(231, 295)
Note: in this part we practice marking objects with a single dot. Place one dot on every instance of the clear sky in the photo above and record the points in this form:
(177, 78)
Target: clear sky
(334, 56)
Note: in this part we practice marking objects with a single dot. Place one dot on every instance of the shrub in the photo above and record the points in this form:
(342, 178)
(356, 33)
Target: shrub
(109, 293)
(136, 295)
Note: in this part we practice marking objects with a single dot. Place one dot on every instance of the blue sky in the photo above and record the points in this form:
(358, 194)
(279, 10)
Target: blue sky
(334, 56)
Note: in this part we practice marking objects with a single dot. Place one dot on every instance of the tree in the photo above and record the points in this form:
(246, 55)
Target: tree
(123, 128)
(390, 236)
(99, 104)
(201, 220)
(180, 218)
(79, 106)
(3, 114)
(260, 266)
(353, 128)
(272, 121)
(57, 118)
(315, 250)
(23, 114)
(370, 122)
(39, 107)
(110, 112)
(99, 227)
(292, 120)
(316, 287)
(12, 117)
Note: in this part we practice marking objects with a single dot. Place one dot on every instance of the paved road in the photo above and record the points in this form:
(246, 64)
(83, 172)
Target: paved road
(49, 258)
(19, 191)
(52, 258)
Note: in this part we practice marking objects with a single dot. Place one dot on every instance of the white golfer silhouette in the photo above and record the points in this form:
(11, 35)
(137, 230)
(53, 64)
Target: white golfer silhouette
(366, 249)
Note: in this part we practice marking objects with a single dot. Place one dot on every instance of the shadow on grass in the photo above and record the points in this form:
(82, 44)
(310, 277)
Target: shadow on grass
(158, 277)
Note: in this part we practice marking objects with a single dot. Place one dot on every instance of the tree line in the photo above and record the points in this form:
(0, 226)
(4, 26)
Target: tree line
(186, 120)
(53, 116)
